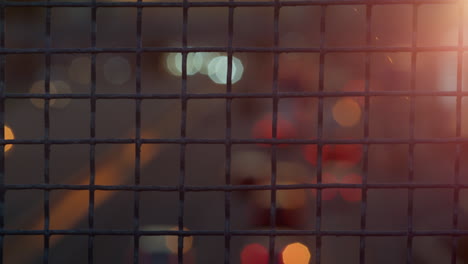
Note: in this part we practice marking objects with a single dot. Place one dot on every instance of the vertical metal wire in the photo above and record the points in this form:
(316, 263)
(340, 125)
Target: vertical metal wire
(365, 152)
(274, 129)
(409, 257)
(45, 259)
(183, 132)
(92, 133)
(318, 213)
(227, 168)
(136, 207)
(2, 127)
(456, 191)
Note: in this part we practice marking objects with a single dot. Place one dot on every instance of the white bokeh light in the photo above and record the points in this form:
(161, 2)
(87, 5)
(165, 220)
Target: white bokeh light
(207, 57)
(174, 63)
(117, 70)
(218, 69)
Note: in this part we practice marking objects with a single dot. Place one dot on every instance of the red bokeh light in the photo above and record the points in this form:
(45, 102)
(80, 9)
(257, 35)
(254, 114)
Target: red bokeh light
(347, 153)
(263, 129)
(254, 254)
(311, 153)
(328, 193)
(351, 194)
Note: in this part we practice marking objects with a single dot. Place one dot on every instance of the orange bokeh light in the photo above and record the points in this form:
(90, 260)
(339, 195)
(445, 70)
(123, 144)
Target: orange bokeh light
(296, 253)
(8, 133)
(347, 112)
(254, 254)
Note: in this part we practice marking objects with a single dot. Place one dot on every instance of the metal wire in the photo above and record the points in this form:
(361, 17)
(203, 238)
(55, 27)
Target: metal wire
(276, 95)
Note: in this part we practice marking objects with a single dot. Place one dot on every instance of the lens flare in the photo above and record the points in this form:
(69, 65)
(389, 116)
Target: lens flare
(218, 69)
(347, 112)
(296, 253)
(254, 254)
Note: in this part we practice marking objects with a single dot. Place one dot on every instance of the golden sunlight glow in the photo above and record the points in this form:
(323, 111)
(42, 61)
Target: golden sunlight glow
(296, 253)
(80, 70)
(218, 69)
(117, 70)
(8, 134)
(174, 63)
(55, 87)
(346, 112)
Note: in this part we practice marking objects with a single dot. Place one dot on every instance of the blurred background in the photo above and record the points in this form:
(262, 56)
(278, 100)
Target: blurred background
(252, 72)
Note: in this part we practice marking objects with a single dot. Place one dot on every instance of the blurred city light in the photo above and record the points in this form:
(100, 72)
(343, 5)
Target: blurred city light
(207, 57)
(218, 69)
(9, 135)
(327, 193)
(351, 194)
(172, 242)
(296, 253)
(263, 128)
(55, 87)
(117, 70)
(194, 63)
(254, 254)
(346, 112)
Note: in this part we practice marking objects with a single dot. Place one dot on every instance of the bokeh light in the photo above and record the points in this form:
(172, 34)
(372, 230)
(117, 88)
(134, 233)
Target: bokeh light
(80, 70)
(174, 63)
(249, 167)
(207, 57)
(263, 129)
(172, 242)
(55, 87)
(347, 112)
(8, 135)
(351, 194)
(345, 154)
(285, 199)
(162, 244)
(218, 69)
(296, 253)
(254, 254)
(117, 70)
(327, 193)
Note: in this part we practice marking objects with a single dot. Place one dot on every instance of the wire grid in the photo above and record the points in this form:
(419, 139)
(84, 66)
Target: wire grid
(228, 141)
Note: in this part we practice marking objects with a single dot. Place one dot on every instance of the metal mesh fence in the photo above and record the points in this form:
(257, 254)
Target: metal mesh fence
(274, 143)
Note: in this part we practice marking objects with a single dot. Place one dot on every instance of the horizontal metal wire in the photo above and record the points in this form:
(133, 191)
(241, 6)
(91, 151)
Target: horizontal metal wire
(224, 4)
(230, 188)
(355, 233)
(236, 141)
(234, 49)
(235, 95)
